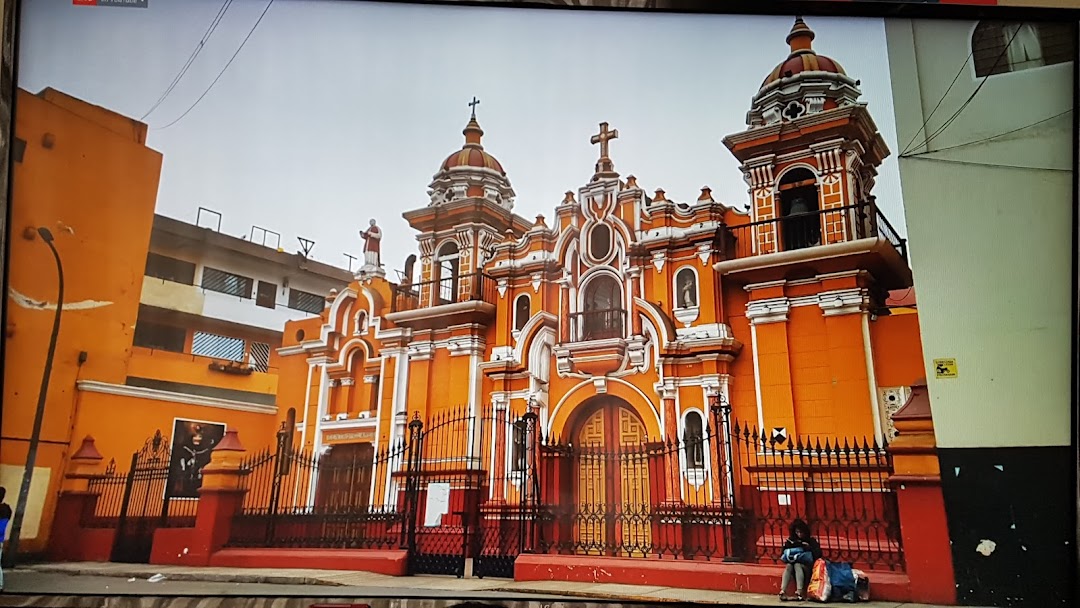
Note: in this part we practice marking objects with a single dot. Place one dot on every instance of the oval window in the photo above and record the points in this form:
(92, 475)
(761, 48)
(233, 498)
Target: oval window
(299, 335)
(600, 241)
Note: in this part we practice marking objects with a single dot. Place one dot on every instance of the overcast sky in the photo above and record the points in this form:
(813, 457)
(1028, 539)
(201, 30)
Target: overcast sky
(336, 112)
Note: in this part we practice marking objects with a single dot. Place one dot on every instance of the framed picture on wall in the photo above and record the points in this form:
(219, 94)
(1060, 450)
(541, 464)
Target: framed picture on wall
(193, 441)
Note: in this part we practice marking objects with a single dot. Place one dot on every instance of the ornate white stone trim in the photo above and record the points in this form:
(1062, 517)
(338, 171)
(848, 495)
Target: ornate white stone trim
(122, 390)
(687, 316)
(658, 259)
(774, 310)
(371, 379)
(844, 301)
(536, 280)
(347, 382)
(421, 351)
(501, 285)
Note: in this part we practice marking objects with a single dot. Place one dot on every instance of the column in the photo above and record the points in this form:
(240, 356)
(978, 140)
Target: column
(916, 480)
(772, 364)
(345, 397)
(851, 364)
(220, 499)
(498, 460)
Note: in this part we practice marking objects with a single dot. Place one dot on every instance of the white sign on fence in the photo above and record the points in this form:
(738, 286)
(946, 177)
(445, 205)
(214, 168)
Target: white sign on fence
(438, 503)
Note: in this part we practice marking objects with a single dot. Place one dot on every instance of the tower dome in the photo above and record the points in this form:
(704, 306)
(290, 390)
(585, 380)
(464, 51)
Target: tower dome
(803, 83)
(471, 172)
(472, 154)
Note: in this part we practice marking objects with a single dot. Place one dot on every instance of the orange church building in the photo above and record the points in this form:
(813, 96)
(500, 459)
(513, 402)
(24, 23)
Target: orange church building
(627, 355)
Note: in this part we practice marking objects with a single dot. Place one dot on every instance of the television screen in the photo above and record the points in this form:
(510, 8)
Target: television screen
(548, 301)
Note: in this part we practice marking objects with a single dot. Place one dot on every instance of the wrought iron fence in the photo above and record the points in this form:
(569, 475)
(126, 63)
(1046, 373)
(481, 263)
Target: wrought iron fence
(295, 498)
(803, 230)
(839, 487)
(470, 287)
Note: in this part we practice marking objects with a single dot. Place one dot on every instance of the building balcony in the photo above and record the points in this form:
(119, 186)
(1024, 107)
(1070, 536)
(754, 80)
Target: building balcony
(598, 324)
(170, 295)
(193, 374)
(451, 300)
(832, 240)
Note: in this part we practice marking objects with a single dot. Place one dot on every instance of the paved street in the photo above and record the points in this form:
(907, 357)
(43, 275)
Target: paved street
(58, 585)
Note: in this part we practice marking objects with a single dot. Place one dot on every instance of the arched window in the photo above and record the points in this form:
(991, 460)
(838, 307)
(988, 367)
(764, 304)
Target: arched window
(694, 439)
(522, 311)
(361, 322)
(799, 207)
(603, 312)
(1002, 47)
(686, 290)
(447, 262)
(600, 242)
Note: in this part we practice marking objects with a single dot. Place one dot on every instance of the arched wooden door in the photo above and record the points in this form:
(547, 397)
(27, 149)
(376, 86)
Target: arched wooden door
(612, 494)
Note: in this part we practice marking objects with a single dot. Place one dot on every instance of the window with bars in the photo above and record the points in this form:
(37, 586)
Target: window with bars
(227, 283)
(215, 346)
(1001, 47)
(259, 356)
(170, 269)
(307, 302)
(159, 337)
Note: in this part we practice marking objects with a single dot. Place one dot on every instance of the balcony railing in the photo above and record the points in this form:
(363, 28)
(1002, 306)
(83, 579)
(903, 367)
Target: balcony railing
(804, 230)
(473, 287)
(599, 324)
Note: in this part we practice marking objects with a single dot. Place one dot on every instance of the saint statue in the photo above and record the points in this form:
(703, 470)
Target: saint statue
(371, 237)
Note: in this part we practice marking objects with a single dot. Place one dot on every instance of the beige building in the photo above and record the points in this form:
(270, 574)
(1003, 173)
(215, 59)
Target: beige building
(984, 120)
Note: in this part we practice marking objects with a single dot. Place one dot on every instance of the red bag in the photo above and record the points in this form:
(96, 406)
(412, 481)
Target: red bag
(820, 588)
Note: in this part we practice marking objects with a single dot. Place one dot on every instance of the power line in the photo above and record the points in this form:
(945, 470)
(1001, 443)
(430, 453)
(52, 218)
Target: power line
(198, 49)
(907, 148)
(971, 98)
(985, 139)
(222, 72)
(978, 164)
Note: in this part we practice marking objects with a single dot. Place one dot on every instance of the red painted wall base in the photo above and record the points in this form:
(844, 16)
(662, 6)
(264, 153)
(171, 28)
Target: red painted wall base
(710, 576)
(392, 563)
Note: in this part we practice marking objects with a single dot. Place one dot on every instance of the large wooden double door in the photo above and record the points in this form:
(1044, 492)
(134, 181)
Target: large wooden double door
(612, 493)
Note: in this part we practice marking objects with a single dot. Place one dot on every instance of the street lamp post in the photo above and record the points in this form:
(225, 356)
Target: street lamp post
(39, 415)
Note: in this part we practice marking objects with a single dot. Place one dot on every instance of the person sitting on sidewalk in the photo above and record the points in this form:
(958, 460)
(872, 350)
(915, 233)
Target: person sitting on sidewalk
(801, 550)
(5, 517)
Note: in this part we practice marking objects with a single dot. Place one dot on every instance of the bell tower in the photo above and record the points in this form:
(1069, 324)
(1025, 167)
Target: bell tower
(810, 147)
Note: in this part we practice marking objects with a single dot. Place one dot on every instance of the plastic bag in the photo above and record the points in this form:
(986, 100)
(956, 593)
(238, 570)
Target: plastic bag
(862, 586)
(820, 588)
(842, 580)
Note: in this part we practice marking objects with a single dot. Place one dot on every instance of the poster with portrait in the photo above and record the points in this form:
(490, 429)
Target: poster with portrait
(193, 440)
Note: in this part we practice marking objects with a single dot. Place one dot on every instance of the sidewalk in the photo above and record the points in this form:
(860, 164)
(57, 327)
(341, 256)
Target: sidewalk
(367, 583)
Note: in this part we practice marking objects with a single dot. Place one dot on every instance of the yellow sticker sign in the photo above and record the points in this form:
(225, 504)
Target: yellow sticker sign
(945, 368)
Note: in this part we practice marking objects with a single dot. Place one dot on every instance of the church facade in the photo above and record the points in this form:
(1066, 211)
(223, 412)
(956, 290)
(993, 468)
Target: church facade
(621, 352)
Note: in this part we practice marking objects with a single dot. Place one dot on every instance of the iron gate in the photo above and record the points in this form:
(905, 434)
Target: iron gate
(445, 486)
(146, 503)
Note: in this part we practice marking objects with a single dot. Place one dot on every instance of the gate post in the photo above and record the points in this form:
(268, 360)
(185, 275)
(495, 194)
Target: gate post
(67, 540)
(916, 479)
(220, 498)
(412, 484)
(721, 413)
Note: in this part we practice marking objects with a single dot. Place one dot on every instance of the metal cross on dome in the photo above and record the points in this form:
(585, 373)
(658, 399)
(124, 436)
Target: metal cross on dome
(472, 104)
(603, 137)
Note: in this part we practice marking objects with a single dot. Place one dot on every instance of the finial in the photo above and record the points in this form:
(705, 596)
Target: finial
(706, 194)
(569, 198)
(800, 36)
(631, 182)
(659, 195)
(472, 131)
(540, 221)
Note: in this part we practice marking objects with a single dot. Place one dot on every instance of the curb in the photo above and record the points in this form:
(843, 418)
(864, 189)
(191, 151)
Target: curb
(202, 577)
(644, 599)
